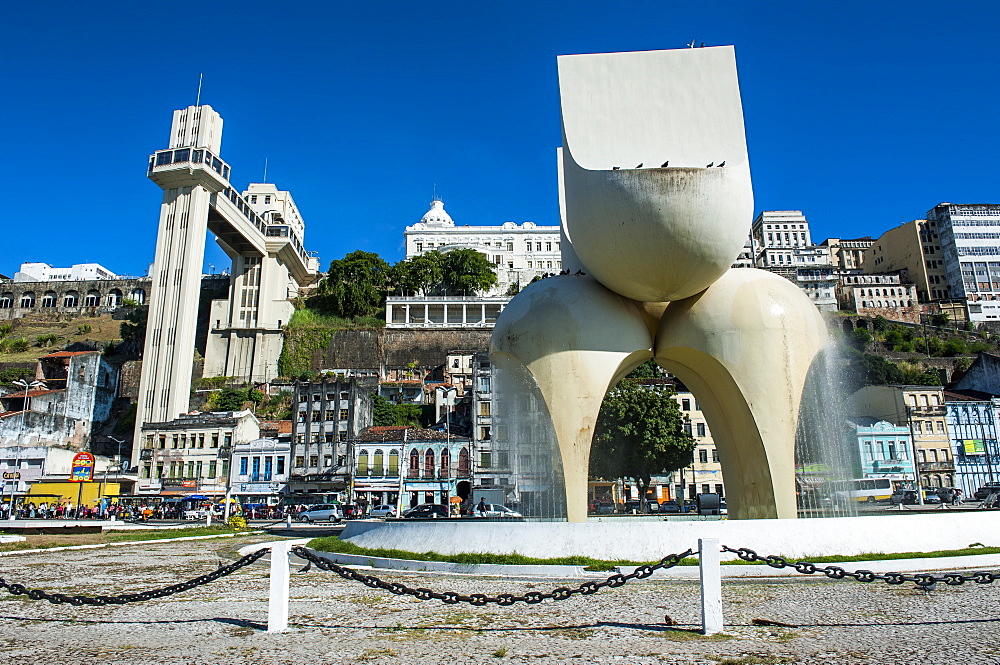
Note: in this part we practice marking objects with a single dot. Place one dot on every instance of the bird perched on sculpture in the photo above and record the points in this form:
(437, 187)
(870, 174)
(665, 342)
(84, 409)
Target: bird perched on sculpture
(639, 166)
(722, 163)
(664, 164)
(710, 165)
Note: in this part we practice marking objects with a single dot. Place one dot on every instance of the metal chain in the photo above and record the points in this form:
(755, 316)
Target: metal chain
(923, 580)
(479, 599)
(122, 599)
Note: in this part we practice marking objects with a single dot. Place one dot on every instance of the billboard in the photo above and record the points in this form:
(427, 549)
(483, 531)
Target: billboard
(974, 446)
(82, 470)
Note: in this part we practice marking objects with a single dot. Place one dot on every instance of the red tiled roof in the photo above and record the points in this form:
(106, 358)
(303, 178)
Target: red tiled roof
(67, 354)
(396, 432)
(283, 426)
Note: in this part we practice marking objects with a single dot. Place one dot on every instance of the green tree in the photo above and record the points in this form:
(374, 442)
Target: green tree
(234, 399)
(647, 370)
(387, 414)
(881, 324)
(419, 274)
(640, 432)
(466, 272)
(860, 338)
(355, 285)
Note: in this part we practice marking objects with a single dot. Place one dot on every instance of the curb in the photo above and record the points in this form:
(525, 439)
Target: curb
(126, 542)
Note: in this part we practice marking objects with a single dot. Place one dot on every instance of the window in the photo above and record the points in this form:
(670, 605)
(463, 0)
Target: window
(703, 456)
(268, 468)
(300, 461)
(429, 465)
(343, 414)
(281, 465)
(314, 461)
(715, 455)
(393, 463)
(256, 469)
(243, 465)
(700, 429)
(378, 460)
(685, 405)
(212, 469)
(940, 426)
(485, 458)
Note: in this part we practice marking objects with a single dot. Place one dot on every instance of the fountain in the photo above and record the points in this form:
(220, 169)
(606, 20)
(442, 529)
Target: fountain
(648, 252)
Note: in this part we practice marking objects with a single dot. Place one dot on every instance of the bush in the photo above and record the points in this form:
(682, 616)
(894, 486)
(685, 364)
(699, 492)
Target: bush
(237, 522)
(19, 345)
(5, 329)
(84, 329)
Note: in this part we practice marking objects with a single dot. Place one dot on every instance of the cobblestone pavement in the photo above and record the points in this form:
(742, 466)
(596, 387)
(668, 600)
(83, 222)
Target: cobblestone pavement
(336, 621)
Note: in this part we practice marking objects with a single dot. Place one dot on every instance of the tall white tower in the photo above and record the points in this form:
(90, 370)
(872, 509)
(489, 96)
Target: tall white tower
(269, 262)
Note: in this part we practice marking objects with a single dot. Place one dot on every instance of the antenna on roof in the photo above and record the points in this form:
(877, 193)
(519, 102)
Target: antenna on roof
(265, 169)
(198, 100)
(436, 197)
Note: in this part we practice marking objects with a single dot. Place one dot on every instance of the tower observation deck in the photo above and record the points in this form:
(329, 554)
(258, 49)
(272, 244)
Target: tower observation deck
(260, 230)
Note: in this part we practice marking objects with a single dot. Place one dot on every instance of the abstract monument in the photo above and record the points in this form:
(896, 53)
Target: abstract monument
(649, 250)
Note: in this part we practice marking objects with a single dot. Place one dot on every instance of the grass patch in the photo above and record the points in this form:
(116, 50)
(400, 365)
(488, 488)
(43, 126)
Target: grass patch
(48, 541)
(682, 635)
(338, 546)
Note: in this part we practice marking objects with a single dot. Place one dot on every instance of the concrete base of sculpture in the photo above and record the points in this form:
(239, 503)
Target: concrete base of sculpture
(623, 539)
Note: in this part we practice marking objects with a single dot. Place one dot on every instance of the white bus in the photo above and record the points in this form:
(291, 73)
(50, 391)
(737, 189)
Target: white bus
(860, 489)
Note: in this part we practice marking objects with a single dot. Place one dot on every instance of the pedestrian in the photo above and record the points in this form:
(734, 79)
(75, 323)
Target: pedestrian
(481, 508)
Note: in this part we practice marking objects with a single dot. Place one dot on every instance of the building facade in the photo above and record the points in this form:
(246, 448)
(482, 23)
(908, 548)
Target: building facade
(912, 249)
(79, 272)
(972, 425)
(879, 295)
(326, 416)
(259, 470)
(970, 243)
(884, 452)
(518, 252)
(847, 253)
(191, 454)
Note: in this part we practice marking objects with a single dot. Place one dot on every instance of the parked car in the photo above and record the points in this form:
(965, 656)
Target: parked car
(986, 490)
(201, 513)
(321, 512)
(670, 506)
(495, 510)
(909, 498)
(383, 511)
(652, 506)
(426, 510)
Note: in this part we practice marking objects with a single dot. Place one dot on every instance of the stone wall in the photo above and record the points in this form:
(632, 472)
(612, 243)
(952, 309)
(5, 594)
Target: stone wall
(384, 348)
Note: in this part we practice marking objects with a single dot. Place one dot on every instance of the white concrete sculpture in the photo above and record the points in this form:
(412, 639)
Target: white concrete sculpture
(659, 241)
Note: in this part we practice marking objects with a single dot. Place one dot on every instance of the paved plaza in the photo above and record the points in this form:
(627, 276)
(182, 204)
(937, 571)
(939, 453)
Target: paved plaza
(337, 621)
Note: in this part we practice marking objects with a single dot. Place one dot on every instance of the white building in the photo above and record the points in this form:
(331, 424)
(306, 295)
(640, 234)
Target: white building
(969, 236)
(776, 235)
(43, 272)
(519, 252)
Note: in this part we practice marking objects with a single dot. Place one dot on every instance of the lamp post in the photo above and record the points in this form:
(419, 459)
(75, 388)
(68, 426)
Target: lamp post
(20, 383)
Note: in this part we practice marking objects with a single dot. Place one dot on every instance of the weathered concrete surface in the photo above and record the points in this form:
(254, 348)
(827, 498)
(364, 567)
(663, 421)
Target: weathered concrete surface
(333, 620)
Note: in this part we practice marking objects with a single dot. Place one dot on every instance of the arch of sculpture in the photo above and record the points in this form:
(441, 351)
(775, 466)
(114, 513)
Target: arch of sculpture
(654, 245)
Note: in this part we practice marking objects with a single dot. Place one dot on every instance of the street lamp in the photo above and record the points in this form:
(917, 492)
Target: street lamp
(20, 383)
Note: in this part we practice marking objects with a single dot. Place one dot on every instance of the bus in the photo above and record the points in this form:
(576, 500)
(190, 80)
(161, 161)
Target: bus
(860, 489)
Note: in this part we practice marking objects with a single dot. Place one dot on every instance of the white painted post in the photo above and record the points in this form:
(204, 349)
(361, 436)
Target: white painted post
(711, 585)
(277, 604)
(208, 517)
(288, 521)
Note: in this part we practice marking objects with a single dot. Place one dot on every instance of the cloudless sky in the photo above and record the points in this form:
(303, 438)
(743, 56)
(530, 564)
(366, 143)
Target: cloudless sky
(863, 115)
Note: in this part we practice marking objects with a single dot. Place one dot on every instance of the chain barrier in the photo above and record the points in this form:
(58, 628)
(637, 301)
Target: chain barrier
(479, 599)
(925, 581)
(122, 599)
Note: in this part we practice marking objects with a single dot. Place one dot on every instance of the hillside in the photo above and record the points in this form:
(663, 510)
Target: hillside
(54, 334)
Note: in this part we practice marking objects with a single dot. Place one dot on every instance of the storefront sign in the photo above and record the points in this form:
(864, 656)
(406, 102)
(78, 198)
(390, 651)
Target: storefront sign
(21, 474)
(82, 468)
(259, 488)
(974, 446)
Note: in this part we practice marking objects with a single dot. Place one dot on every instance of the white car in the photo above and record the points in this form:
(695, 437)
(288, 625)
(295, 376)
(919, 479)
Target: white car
(321, 512)
(383, 511)
(200, 514)
(496, 510)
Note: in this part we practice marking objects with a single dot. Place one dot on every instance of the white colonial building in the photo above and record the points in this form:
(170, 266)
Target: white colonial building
(43, 272)
(520, 252)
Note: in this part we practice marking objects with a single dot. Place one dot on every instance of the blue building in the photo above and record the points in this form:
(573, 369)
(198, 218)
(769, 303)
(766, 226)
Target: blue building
(972, 426)
(885, 451)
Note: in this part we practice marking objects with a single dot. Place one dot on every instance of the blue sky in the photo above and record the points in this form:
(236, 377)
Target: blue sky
(862, 114)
